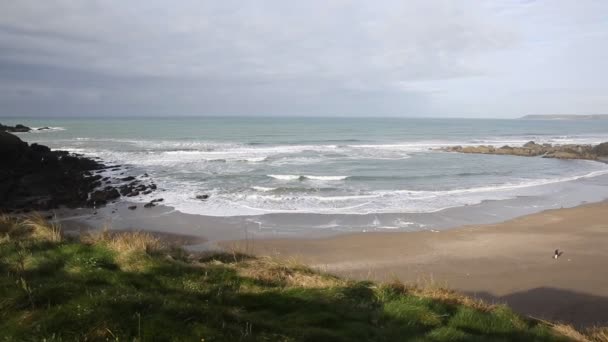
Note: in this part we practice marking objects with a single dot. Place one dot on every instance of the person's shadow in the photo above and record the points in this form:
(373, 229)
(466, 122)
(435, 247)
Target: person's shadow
(565, 306)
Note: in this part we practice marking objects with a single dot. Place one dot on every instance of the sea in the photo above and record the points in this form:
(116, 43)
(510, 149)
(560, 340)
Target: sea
(302, 175)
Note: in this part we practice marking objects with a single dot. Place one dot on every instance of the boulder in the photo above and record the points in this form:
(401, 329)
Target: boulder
(149, 205)
(103, 196)
(40, 148)
(132, 207)
(202, 197)
(16, 129)
(11, 147)
(601, 150)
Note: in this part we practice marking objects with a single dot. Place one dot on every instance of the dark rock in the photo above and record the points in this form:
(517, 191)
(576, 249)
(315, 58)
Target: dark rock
(149, 205)
(133, 194)
(11, 147)
(147, 192)
(103, 196)
(601, 150)
(40, 148)
(125, 189)
(43, 128)
(132, 207)
(37, 178)
(130, 178)
(16, 129)
(96, 177)
(157, 200)
(202, 197)
(153, 186)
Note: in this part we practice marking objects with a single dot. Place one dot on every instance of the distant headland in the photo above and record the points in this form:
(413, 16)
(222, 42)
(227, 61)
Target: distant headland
(565, 117)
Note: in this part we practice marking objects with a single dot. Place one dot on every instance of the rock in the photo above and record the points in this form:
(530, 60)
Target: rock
(132, 207)
(601, 150)
(130, 178)
(149, 205)
(157, 200)
(133, 194)
(531, 144)
(125, 189)
(11, 147)
(16, 129)
(43, 128)
(40, 148)
(37, 178)
(147, 192)
(532, 149)
(153, 186)
(202, 197)
(103, 196)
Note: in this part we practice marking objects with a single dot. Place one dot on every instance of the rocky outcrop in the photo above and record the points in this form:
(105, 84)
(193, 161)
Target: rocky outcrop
(532, 149)
(33, 177)
(601, 150)
(14, 129)
(101, 197)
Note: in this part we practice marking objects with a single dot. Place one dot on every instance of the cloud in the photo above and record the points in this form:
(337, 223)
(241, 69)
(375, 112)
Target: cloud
(273, 57)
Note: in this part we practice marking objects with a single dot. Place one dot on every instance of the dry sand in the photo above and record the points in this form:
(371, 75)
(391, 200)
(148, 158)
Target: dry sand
(507, 262)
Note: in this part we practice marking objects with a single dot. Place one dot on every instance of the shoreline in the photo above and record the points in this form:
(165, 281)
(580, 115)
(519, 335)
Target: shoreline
(510, 262)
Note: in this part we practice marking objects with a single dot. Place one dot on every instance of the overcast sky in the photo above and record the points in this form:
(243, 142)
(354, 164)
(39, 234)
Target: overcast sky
(321, 58)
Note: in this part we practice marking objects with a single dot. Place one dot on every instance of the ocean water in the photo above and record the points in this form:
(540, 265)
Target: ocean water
(344, 173)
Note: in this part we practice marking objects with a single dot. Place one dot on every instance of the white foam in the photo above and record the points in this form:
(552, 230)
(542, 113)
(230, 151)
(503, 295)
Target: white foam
(49, 129)
(400, 201)
(262, 188)
(311, 177)
(326, 178)
(285, 177)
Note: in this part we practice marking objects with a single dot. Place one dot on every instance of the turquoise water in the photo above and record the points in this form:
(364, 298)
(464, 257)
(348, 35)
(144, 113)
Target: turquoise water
(338, 166)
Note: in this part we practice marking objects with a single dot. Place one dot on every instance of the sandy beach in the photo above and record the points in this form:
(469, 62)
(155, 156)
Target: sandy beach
(508, 262)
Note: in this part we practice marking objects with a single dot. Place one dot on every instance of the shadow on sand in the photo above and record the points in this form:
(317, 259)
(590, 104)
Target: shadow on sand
(578, 309)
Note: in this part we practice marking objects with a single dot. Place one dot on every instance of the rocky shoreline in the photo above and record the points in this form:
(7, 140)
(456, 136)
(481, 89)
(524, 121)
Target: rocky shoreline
(33, 177)
(532, 149)
(20, 128)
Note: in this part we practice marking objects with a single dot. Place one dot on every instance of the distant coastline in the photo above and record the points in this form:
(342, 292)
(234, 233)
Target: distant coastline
(565, 117)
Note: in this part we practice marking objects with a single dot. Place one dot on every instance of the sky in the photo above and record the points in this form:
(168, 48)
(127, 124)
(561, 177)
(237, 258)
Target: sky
(415, 58)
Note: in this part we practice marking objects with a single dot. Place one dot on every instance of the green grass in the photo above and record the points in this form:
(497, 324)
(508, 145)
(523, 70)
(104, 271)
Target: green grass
(97, 289)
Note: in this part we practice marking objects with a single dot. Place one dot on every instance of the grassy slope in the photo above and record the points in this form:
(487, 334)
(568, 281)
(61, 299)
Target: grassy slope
(128, 287)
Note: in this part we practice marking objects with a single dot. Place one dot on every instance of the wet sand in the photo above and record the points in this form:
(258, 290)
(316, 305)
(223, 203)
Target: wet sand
(507, 262)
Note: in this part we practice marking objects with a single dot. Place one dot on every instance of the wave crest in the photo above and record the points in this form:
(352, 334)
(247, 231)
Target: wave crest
(304, 177)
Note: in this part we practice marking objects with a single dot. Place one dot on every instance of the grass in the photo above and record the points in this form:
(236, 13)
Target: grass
(132, 287)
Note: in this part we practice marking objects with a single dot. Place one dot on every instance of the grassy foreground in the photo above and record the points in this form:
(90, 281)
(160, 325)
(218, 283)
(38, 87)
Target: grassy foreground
(130, 287)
